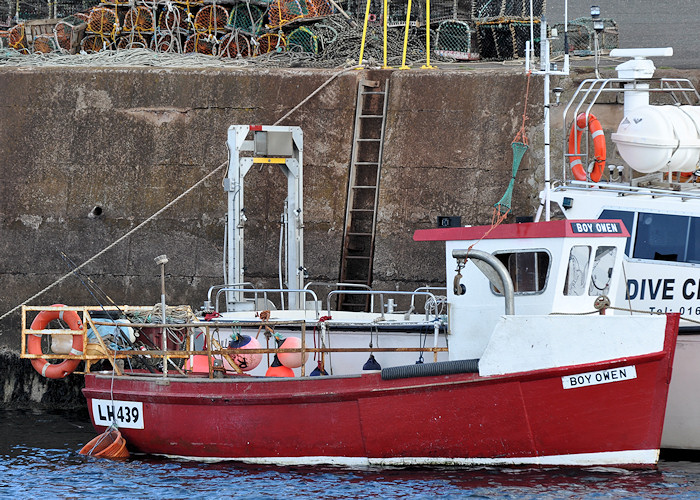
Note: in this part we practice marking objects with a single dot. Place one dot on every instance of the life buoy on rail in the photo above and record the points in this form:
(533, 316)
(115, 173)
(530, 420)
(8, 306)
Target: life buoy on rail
(67, 366)
(599, 148)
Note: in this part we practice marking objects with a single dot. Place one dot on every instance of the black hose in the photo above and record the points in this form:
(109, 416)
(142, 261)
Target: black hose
(431, 369)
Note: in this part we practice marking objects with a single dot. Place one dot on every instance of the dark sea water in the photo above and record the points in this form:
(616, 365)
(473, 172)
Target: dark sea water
(39, 459)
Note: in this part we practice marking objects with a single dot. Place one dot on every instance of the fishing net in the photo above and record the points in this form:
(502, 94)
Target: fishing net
(234, 45)
(17, 38)
(102, 20)
(504, 204)
(454, 39)
(485, 9)
(45, 44)
(282, 12)
(302, 40)
(201, 43)
(519, 147)
(356, 9)
(92, 44)
(139, 18)
(269, 42)
(581, 37)
(398, 10)
(318, 8)
(211, 19)
(4, 39)
(131, 40)
(68, 33)
(246, 18)
(503, 39)
(173, 19)
(455, 10)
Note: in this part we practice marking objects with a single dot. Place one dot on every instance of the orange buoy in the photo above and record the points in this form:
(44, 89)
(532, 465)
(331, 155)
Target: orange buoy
(67, 366)
(277, 369)
(109, 444)
(599, 147)
(292, 359)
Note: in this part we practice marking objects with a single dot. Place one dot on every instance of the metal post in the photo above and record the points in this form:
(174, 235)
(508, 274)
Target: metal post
(161, 260)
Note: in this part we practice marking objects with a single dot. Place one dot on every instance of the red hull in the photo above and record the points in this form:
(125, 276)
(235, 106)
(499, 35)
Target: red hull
(511, 419)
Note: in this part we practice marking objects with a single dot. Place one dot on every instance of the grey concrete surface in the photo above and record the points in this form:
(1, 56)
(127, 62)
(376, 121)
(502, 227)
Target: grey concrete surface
(646, 23)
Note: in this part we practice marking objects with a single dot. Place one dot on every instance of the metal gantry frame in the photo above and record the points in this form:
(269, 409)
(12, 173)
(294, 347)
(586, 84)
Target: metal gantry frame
(290, 161)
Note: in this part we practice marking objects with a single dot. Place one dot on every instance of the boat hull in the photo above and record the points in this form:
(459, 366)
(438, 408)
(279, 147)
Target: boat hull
(521, 418)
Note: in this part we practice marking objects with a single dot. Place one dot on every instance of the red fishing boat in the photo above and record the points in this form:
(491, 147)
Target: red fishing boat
(515, 389)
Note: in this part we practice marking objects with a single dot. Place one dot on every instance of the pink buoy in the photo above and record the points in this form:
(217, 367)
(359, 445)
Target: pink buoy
(246, 362)
(292, 359)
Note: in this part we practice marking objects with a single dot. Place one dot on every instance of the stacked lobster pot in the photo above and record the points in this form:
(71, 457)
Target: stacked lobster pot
(235, 29)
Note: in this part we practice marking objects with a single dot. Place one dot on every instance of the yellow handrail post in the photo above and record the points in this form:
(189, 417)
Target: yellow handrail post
(427, 37)
(386, 17)
(405, 37)
(364, 36)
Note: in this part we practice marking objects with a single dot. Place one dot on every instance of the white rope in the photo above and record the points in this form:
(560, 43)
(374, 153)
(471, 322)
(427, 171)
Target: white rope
(335, 75)
(110, 246)
(170, 204)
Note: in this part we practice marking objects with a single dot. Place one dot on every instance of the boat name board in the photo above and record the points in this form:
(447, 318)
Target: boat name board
(599, 377)
(126, 414)
(596, 228)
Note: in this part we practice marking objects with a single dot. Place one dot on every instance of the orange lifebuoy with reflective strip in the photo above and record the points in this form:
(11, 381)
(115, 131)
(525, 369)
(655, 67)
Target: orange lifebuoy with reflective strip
(599, 147)
(67, 366)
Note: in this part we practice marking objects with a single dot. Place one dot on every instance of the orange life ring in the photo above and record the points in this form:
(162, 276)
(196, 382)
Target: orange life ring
(67, 366)
(599, 147)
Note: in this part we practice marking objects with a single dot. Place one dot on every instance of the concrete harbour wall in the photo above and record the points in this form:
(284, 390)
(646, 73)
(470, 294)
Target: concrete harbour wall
(131, 140)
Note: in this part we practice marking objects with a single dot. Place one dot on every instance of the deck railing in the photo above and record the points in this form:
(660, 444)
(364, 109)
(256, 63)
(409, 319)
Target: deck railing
(99, 350)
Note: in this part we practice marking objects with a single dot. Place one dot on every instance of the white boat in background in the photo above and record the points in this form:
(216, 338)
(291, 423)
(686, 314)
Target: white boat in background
(643, 169)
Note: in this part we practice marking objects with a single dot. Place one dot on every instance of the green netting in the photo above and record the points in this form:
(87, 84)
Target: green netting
(302, 40)
(484, 9)
(505, 38)
(246, 18)
(519, 149)
(454, 39)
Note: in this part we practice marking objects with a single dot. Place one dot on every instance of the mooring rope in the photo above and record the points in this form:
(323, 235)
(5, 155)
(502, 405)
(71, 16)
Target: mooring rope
(118, 240)
(167, 206)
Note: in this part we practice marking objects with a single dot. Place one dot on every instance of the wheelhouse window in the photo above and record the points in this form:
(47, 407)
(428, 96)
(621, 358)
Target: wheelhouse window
(577, 270)
(602, 270)
(528, 269)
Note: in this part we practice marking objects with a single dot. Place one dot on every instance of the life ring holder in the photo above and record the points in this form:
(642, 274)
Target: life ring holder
(42, 320)
(599, 147)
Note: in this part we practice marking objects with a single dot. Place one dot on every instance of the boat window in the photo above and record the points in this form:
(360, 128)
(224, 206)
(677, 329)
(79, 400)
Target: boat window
(693, 243)
(602, 270)
(528, 269)
(627, 218)
(579, 257)
(661, 237)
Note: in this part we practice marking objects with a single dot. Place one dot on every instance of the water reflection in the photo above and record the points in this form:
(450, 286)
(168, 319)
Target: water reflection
(39, 456)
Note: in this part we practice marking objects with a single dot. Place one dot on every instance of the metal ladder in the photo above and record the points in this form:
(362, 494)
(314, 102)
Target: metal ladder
(363, 192)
